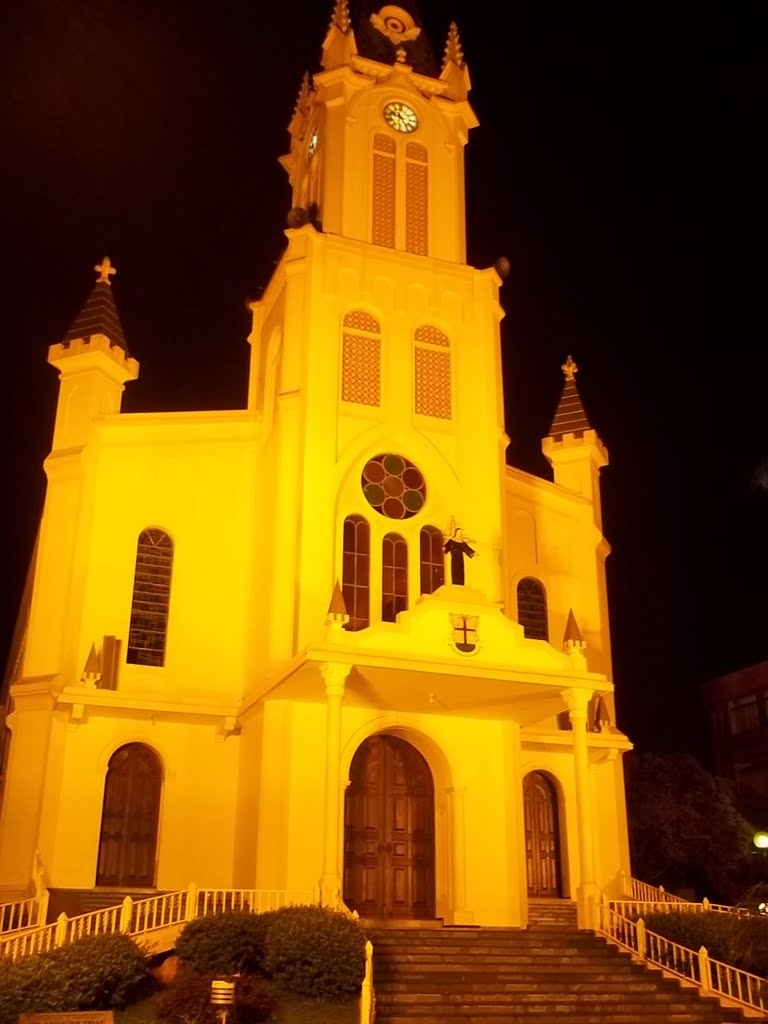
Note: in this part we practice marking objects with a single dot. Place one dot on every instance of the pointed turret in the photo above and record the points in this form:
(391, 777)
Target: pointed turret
(454, 71)
(574, 644)
(337, 609)
(570, 417)
(99, 314)
(93, 364)
(339, 45)
(572, 447)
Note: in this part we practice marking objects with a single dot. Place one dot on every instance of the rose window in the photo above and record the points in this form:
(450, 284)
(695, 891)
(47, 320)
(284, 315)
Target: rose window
(393, 486)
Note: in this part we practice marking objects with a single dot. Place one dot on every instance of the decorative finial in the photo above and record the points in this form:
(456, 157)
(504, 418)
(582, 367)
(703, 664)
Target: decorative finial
(104, 270)
(569, 368)
(453, 50)
(340, 16)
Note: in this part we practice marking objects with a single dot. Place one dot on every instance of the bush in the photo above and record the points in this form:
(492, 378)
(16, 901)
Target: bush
(315, 952)
(188, 1001)
(229, 943)
(739, 941)
(95, 973)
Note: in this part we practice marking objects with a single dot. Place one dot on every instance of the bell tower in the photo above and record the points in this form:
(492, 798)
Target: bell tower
(377, 135)
(375, 365)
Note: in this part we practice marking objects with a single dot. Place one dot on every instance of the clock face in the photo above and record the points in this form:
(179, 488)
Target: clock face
(312, 146)
(400, 117)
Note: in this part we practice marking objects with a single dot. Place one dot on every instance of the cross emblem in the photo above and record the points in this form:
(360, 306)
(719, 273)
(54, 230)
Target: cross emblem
(104, 270)
(465, 632)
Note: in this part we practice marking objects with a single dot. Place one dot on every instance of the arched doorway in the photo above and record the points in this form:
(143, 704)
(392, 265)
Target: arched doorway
(542, 836)
(389, 832)
(128, 839)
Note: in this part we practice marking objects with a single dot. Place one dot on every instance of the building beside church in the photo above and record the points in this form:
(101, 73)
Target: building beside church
(331, 639)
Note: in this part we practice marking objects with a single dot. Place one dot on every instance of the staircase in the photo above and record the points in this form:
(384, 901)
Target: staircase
(548, 974)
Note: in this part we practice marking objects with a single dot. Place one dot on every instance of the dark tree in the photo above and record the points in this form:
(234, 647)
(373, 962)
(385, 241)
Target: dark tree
(684, 829)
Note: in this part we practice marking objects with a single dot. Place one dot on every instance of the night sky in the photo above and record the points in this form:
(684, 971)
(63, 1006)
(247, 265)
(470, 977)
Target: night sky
(619, 165)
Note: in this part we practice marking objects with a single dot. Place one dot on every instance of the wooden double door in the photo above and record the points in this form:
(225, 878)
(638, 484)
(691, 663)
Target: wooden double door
(389, 832)
(542, 836)
(129, 818)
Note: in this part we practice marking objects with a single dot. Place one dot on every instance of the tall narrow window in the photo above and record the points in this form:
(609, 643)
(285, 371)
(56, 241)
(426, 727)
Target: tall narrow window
(356, 571)
(432, 559)
(432, 372)
(394, 576)
(383, 198)
(416, 190)
(532, 609)
(151, 596)
(361, 358)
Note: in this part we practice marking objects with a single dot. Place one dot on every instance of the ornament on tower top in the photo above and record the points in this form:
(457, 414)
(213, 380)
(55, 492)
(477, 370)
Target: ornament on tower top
(398, 26)
(453, 48)
(104, 270)
(569, 368)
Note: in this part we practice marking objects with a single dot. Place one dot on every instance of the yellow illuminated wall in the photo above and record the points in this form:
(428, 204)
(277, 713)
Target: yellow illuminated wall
(357, 349)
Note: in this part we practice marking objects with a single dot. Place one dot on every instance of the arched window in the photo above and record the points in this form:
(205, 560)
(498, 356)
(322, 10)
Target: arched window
(128, 840)
(151, 596)
(356, 572)
(394, 576)
(416, 222)
(361, 358)
(432, 372)
(383, 204)
(432, 559)
(532, 608)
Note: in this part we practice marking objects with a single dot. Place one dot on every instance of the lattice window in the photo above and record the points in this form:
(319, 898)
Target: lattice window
(356, 572)
(416, 199)
(432, 559)
(532, 609)
(361, 359)
(151, 597)
(384, 171)
(394, 576)
(432, 372)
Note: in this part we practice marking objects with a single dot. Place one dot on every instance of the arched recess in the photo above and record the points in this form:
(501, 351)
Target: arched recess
(389, 831)
(543, 836)
(129, 818)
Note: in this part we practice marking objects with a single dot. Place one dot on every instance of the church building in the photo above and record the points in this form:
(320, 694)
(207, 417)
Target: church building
(329, 642)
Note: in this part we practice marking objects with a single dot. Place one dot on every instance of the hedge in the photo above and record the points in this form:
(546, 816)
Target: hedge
(736, 940)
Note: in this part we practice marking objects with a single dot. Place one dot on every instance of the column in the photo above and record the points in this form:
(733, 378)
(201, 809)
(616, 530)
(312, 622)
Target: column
(460, 913)
(577, 702)
(334, 676)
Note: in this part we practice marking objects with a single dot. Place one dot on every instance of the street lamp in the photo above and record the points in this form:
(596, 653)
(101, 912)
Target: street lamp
(222, 997)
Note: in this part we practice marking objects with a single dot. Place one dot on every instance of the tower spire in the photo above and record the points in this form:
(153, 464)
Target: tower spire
(570, 417)
(99, 313)
(339, 45)
(454, 70)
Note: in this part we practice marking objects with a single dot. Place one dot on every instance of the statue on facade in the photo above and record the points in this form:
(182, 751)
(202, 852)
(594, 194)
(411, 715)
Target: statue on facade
(457, 547)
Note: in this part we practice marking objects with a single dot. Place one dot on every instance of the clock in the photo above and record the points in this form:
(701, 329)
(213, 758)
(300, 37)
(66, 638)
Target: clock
(312, 145)
(400, 117)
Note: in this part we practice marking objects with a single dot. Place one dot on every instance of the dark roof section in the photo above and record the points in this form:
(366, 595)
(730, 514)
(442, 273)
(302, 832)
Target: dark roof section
(570, 417)
(98, 316)
(377, 45)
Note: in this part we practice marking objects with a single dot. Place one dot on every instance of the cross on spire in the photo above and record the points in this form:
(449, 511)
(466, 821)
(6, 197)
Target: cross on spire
(569, 368)
(104, 270)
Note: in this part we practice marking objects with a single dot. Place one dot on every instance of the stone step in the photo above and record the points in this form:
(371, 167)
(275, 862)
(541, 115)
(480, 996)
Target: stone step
(513, 976)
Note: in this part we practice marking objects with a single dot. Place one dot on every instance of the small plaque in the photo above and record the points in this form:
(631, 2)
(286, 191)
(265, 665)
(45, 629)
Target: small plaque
(74, 1017)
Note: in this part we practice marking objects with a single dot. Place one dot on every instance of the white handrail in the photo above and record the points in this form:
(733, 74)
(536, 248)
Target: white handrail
(711, 976)
(140, 917)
